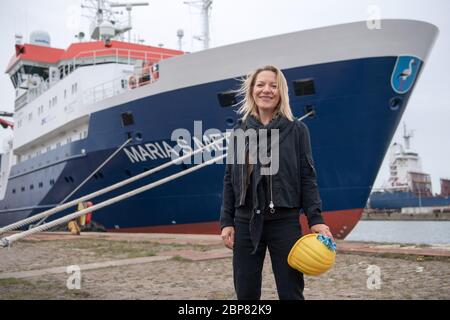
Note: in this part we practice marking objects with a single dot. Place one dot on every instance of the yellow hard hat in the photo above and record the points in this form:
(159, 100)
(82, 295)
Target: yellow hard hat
(313, 254)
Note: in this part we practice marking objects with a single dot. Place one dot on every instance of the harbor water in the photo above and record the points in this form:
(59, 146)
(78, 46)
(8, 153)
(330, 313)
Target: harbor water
(417, 232)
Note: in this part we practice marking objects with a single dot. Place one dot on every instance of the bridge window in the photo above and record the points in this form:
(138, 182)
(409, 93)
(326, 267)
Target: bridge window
(304, 87)
(74, 88)
(227, 99)
(69, 179)
(127, 119)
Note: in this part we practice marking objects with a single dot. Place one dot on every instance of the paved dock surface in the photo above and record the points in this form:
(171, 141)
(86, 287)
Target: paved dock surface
(176, 266)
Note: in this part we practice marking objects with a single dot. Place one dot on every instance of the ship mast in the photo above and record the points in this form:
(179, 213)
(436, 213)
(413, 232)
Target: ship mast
(128, 6)
(205, 8)
(105, 17)
(407, 137)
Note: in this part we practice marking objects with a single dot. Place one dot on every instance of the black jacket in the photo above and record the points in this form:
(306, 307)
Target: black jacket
(293, 186)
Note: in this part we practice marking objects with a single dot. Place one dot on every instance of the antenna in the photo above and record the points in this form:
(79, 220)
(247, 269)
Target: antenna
(129, 7)
(180, 35)
(19, 38)
(80, 36)
(407, 136)
(205, 7)
(101, 12)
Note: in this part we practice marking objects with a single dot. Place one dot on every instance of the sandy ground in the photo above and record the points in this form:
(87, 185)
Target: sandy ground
(197, 269)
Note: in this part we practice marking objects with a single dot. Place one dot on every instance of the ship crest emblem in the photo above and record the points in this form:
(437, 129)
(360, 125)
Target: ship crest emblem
(405, 73)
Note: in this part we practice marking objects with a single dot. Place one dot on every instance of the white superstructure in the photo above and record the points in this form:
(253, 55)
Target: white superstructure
(405, 168)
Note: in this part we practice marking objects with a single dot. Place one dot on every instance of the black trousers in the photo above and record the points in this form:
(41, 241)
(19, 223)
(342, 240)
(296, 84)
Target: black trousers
(278, 236)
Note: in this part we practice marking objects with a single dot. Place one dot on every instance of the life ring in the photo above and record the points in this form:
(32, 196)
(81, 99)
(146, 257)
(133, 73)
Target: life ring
(88, 215)
(155, 72)
(132, 82)
(86, 218)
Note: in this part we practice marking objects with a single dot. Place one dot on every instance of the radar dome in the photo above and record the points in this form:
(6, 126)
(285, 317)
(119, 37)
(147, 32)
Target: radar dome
(107, 30)
(40, 38)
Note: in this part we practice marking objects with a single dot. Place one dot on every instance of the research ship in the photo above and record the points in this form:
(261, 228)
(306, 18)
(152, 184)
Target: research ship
(114, 104)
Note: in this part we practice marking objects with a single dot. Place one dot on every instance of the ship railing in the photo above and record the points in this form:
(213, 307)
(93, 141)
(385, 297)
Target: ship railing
(32, 93)
(391, 189)
(105, 90)
(97, 57)
(118, 55)
(21, 101)
(7, 241)
(145, 75)
(36, 91)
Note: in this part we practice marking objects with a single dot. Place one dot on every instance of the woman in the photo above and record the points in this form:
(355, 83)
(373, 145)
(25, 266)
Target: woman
(262, 211)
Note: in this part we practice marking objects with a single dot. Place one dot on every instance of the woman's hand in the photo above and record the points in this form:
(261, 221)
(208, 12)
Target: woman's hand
(323, 229)
(228, 237)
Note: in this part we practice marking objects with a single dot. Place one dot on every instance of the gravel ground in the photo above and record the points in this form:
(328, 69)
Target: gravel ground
(354, 276)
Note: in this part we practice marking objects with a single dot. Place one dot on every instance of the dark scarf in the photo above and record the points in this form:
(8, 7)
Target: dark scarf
(260, 185)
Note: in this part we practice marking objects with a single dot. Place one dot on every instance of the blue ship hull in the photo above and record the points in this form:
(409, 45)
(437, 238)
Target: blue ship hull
(398, 200)
(350, 133)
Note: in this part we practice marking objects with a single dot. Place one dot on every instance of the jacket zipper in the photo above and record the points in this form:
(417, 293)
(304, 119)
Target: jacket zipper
(243, 188)
(271, 204)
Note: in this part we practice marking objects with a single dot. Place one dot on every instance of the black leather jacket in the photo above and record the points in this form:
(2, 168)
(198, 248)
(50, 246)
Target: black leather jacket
(293, 186)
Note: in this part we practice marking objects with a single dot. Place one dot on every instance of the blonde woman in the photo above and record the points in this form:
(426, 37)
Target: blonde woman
(262, 211)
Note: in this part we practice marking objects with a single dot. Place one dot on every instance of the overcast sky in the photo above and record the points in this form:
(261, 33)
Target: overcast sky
(428, 112)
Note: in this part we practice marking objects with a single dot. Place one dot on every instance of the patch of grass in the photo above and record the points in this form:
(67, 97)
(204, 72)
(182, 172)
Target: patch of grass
(412, 257)
(180, 259)
(404, 256)
(113, 249)
(77, 294)
(201, 248)
(15, 282)
(127, 249)
(19, 289)
(421, 245)
(219, 295)
(139, 254)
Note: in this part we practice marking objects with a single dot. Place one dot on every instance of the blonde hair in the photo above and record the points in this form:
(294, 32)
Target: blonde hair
(248, 105)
